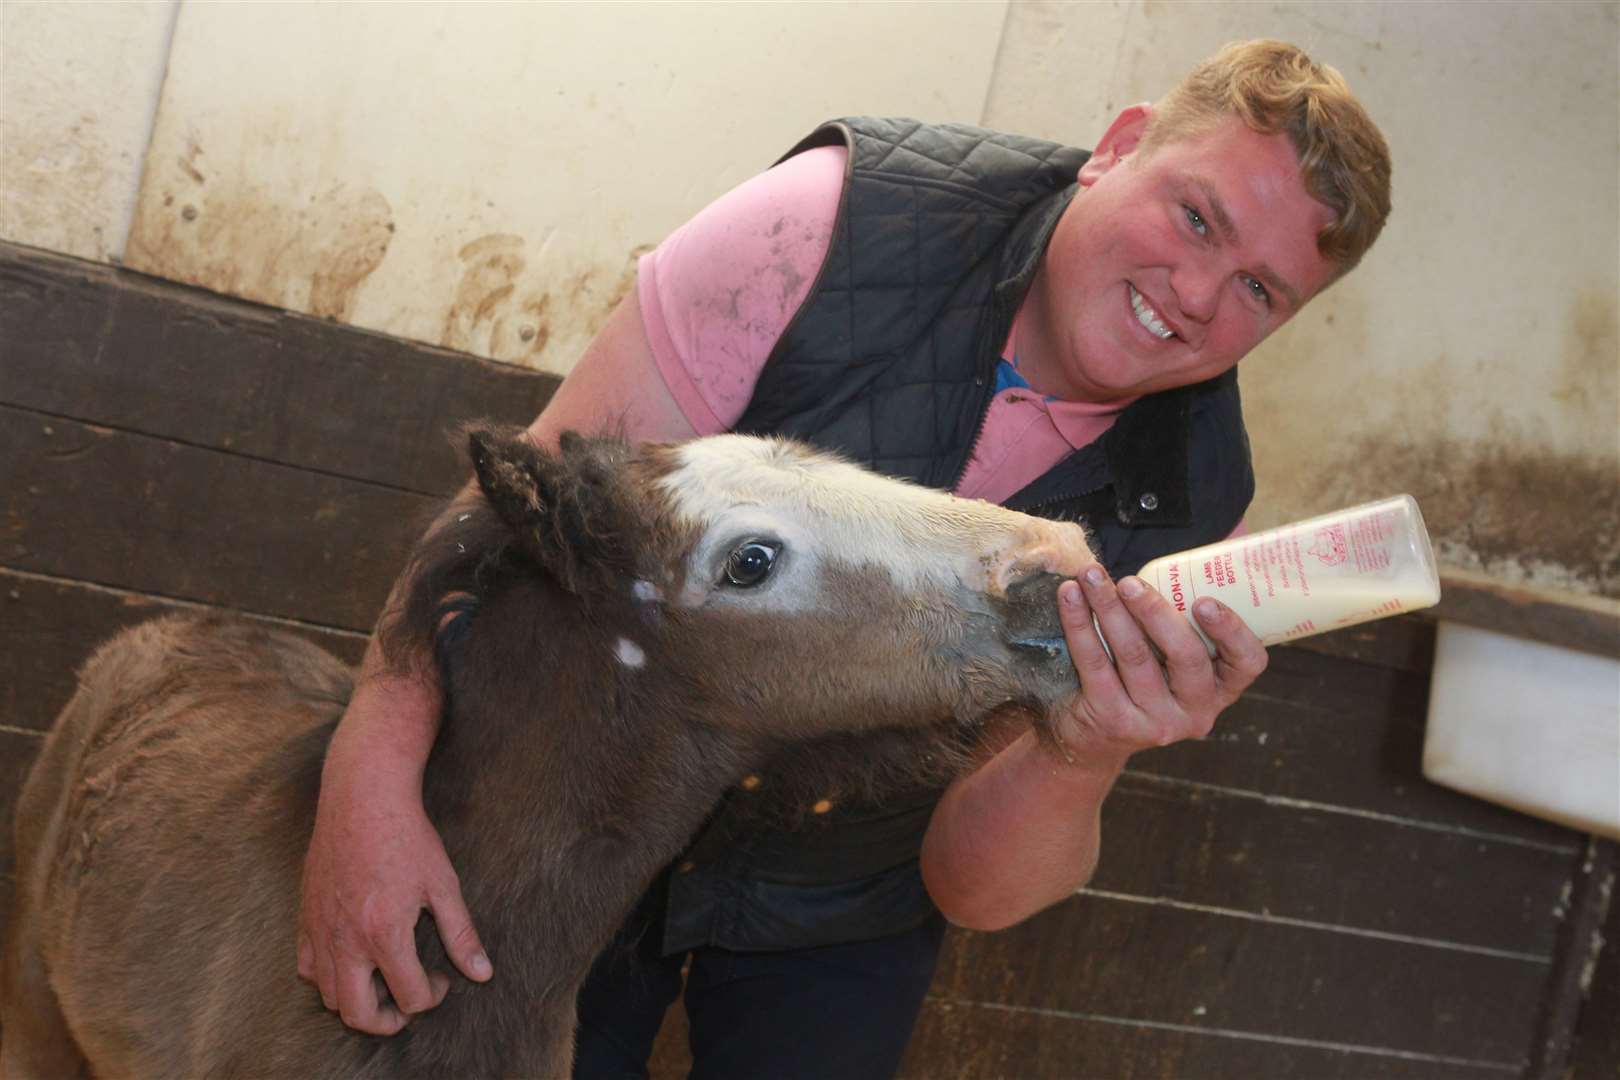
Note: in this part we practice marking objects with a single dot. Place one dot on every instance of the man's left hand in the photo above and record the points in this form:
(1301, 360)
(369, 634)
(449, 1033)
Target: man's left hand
(1138, 700)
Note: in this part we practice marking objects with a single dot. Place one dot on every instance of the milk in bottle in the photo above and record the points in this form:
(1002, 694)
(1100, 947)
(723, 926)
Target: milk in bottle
(1316, 575)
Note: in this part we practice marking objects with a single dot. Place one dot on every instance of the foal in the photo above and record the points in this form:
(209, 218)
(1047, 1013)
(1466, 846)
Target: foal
(652, 624)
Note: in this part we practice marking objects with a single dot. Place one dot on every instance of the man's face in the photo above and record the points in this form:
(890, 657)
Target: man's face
(1170, 265)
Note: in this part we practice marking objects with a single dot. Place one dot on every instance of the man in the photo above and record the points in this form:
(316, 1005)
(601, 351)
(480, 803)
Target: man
(999, 316)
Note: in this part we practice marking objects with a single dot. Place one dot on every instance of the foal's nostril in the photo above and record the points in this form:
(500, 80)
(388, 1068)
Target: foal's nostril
(1035, 591)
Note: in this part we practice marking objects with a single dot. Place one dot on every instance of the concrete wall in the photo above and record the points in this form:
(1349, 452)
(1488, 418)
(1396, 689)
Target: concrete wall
(78, 90)
(483, 176)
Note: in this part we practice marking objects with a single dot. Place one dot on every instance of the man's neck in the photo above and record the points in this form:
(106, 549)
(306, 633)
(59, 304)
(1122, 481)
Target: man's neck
(1035, 342)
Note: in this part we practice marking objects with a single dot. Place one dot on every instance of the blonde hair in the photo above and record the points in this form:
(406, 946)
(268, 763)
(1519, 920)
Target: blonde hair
(1275, 88)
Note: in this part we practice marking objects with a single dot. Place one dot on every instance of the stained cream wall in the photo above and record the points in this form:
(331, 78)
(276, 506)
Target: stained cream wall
(78, 90)
(483, 177)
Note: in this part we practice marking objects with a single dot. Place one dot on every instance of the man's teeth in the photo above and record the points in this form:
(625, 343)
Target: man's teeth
(1147, 316)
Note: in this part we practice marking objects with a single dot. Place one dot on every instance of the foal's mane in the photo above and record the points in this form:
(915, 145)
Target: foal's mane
(472, 552)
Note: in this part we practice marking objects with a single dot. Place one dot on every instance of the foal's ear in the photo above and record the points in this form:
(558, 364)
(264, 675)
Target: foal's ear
(511, 473)
(562, 507)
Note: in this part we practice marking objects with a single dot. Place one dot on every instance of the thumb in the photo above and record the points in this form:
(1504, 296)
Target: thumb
(460, 939)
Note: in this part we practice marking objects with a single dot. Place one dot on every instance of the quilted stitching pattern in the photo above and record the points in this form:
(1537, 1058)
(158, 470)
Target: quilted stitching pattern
(903, 327)
(951, 153)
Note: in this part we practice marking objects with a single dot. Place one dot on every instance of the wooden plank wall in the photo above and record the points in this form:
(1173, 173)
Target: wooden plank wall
(163, 448)
(1287, 898)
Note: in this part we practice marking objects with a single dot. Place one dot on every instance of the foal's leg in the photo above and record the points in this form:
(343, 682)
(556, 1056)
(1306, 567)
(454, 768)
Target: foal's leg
(34, 1039)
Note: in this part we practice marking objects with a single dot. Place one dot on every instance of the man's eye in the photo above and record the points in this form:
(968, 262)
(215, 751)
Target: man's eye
(1257, 290)
(1196, 220)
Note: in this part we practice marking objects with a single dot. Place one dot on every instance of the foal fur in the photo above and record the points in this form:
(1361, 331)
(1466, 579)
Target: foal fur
(161, 833)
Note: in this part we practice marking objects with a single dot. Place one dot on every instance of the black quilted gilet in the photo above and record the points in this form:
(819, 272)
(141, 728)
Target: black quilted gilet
(891, 361)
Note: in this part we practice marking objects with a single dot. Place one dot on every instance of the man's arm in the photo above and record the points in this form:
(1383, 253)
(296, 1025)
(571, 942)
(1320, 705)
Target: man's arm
(375, 862)
(1022, 831)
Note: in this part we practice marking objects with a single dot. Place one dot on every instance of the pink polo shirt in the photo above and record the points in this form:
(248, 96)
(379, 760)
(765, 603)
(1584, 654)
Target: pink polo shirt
(719, 291)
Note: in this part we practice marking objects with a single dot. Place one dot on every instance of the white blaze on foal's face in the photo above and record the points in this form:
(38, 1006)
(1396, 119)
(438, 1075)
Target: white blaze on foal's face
(773, 515)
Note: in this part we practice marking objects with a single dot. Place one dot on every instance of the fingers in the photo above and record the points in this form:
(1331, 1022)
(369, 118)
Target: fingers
(359, 1003)
(441, 987)
(1104, 721)
(359, 984)
(1134, 654)
(379, 998)
(1187, 672)
(326, 980)
(402, 970)
(1160, 684)
(1099, 682)
(457, 933)
(1240, 656)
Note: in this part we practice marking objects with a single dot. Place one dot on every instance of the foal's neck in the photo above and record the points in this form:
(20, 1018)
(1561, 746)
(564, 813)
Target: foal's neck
(554, 780)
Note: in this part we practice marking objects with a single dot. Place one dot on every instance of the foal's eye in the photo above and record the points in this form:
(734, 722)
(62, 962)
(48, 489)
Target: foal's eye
(751, 562)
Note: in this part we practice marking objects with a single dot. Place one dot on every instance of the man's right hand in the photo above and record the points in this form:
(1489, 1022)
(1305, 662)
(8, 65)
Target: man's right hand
(375, 863)
(374, 860)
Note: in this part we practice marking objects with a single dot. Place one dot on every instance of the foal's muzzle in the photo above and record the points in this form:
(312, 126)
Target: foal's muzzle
(1032, 617)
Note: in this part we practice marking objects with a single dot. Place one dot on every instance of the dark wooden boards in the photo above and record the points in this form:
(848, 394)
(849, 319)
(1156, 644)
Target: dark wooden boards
(1405, 643)
(1596, 1051)
(1580, 952)
(156, 516)
(1133, 962)
(990, 1042)
(17, 752)
(1298, 905)
(1325, 867)
(118, 349)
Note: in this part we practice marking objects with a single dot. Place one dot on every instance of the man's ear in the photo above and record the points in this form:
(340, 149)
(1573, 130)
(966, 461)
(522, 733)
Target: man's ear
(1117, 142)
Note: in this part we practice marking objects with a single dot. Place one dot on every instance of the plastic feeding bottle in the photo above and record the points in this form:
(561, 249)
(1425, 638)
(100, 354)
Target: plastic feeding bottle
(1321, 574)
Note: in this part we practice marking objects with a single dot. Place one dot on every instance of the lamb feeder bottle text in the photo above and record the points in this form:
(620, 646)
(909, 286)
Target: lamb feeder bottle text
(1316, 575)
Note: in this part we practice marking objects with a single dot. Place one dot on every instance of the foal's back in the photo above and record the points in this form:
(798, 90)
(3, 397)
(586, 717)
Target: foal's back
(158, 731)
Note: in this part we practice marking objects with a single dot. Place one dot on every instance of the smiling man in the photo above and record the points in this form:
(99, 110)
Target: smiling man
(1178, 260)
(1000, 316)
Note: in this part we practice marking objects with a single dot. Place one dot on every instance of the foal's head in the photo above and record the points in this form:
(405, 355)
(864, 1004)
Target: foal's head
(771, 589)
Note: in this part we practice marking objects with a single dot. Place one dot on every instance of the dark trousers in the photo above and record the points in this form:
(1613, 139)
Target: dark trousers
(834, 1012)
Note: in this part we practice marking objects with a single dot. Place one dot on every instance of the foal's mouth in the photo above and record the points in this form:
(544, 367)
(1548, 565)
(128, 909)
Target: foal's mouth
(1033, 631)
(1050, 648)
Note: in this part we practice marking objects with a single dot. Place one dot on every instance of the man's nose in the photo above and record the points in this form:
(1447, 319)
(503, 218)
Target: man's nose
(1197, 285)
